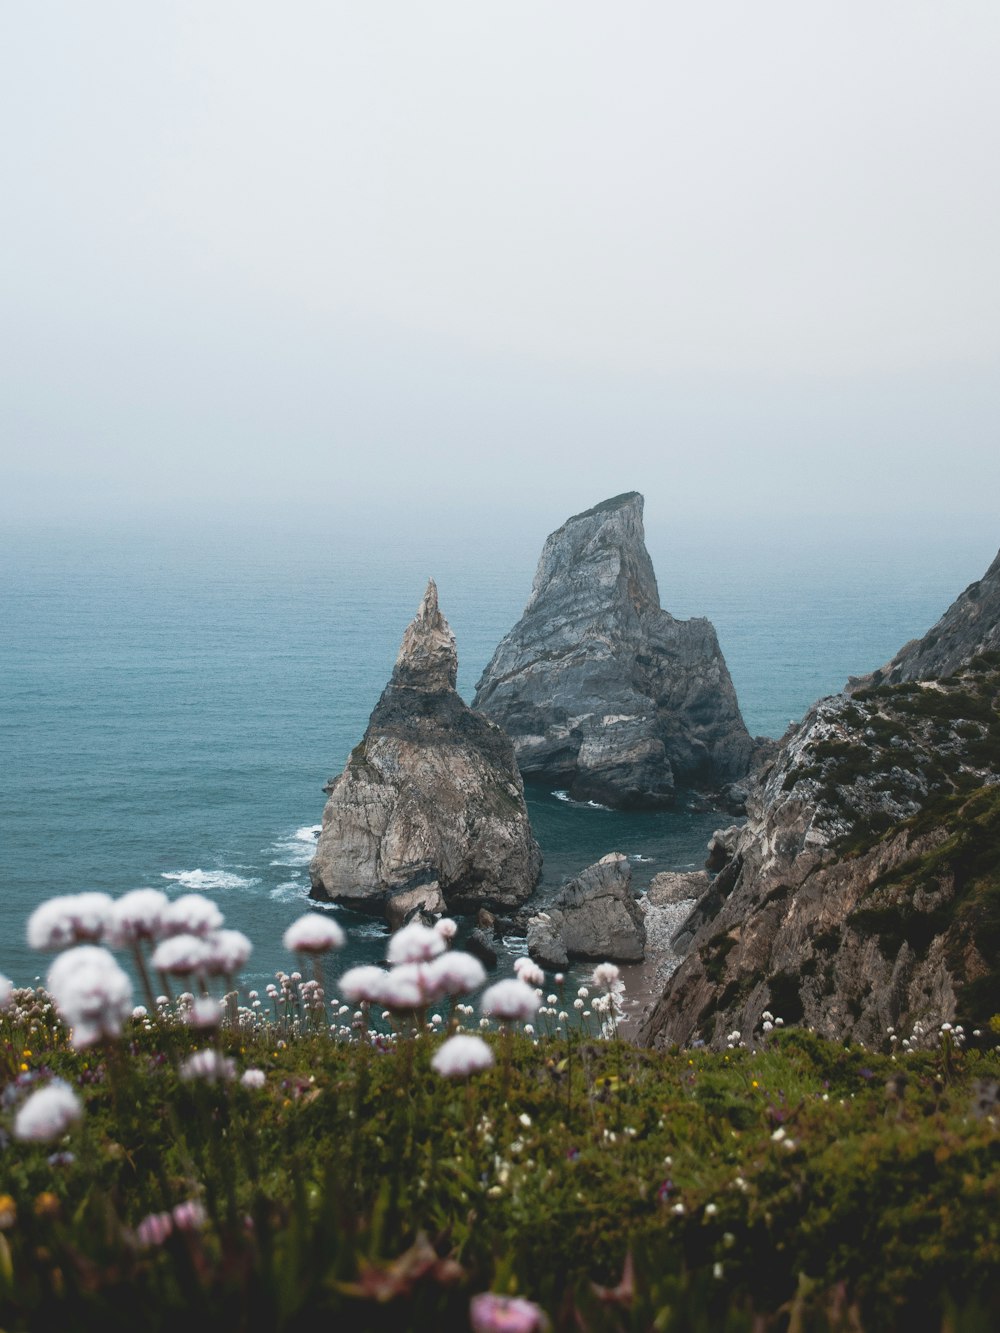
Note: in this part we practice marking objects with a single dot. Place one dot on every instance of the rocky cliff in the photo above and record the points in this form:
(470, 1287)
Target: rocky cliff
(603, 692)
(863, 892)
(430, 807)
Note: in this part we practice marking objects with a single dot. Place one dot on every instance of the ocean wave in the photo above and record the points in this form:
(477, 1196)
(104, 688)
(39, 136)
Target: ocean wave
(296, 849)
(565, 797)
(293, 890)
(640, 859)
(205, 880)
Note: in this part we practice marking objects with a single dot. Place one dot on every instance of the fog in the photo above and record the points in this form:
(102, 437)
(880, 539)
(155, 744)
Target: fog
(338, 264)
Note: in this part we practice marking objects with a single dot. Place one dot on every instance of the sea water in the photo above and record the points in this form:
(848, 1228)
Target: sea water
(174, 700)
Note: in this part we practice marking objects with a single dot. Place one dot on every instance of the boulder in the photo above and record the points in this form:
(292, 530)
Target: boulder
(604, 693)
(671, 887)
(595, 916)
(721, 846)
(430, 797)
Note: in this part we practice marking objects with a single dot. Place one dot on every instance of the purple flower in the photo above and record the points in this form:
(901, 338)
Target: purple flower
(490, 1313)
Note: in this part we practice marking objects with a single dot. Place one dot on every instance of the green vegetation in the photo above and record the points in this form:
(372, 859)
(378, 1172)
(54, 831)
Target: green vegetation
(803, 1185)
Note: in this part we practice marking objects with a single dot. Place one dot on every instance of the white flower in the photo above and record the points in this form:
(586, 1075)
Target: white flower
(137, 916)
(191, 914)
(583, 993)
(461, 1056)
(74, 918)
(91, 992)
(181, 955)
(577, 1004)
(779, 1134)
(403, 988)
(767, 1026)
(48, 1114)
(529, 972)
(455, 973)
(510, 999)
(253, 1078)
(313, 933)
(415, 943)
(209, 1066)
(6, 991)
(525, 1119)
(446, 928)
(204, 1014)
(606, 975)
(228, 951)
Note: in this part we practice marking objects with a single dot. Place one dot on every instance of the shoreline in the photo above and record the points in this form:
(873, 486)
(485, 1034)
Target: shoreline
(644, 982)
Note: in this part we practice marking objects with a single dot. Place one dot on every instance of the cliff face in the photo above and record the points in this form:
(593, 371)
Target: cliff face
(603, 692)
(863, 892)
(431, 798)
(969, 628)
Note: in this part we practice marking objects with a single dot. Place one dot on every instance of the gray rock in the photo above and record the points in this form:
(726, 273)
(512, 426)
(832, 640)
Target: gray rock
(432, 793)
(721, 846)
(594, 916)
(482, 944)
(675, 887)
(422, 900)
(601, 691)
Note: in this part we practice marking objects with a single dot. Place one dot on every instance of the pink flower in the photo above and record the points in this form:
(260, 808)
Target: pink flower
(91, 992)
(364, 983)
(313, 933)
(510, 999)
(529, 972)
(455, 973)
(461, 1056)
(189, 1215)
(137, 916)
(606, 975)
(414, 944)
(489, 1313)
(181, 955)
(446, 928)
(191, 914)
(253, 1078)
(48, 1114)
(6, 992)
(228, 951)
(154, 1229)
(208, 1066)
(74, 918)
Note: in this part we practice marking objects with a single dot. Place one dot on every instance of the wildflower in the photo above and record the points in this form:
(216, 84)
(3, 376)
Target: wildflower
(8, 1212)
(253, 1078)
(191, 914)
(154, 1229)
(204, 1014)
(74, 918)
(208, 1066)
(455, 973)
(415, 943)
(490, 1313)
(402, 988)
(313, 933)
(6, 992)
(47, 1204)
(461, 1056)
(91, 992)
(228, 951)
(525, 1119)
(577, 1004)
(48, 1114)
(140, 1011)
(137, 916)
(606, 975)
(711, 1209)
(189, 1215)
(583, 993)
(446, 928)
(529, 972)
(510, 999)
(182, 955)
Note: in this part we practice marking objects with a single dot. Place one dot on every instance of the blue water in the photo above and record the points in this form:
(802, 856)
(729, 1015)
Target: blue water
(173, 701)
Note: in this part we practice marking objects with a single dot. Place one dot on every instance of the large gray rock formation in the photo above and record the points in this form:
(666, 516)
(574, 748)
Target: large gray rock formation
(969, 628)
(595, 916)
(858, 895)
(430, 806)
(604, 693)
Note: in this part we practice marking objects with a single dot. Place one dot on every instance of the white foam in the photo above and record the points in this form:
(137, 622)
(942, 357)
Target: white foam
(201, 881)
(298, 848)
(579, 805)
(291, 891)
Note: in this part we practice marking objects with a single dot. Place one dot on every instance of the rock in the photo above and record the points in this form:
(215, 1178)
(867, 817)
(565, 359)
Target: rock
(545, 943)
(432, 794)
(594, 916)
(421, 900)
(674, 887)
(601, 691)
(854, 897)
(482, 944)
(721, 846)
(969, 628)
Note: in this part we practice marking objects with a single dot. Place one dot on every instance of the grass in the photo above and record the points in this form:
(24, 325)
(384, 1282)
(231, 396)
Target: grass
(798, 1185)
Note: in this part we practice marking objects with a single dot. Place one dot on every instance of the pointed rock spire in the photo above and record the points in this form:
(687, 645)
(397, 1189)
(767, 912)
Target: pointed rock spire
(428, 658)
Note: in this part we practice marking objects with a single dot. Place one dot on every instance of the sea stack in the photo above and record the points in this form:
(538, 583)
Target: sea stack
(429, 810)
(604, 693)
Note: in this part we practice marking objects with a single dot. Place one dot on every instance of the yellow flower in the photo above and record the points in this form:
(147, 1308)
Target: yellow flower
(755, 1084)
(47, 1204)
(8, 1212)
(24, 1067)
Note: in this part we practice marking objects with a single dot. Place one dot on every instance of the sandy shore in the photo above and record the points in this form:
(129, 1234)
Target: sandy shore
(644, 981)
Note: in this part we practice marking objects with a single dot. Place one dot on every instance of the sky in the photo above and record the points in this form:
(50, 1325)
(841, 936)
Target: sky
(330, 261)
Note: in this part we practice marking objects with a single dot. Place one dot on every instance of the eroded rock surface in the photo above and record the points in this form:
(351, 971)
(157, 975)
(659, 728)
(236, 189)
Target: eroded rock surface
(860, 893)
(595, 916)
(430, 805)
(604, 693)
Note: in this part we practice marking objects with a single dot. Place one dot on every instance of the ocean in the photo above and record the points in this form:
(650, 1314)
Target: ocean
(173, 700)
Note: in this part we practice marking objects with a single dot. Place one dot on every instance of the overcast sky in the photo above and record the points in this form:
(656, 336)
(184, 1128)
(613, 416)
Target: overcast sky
(342, 256)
